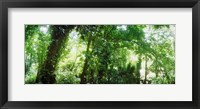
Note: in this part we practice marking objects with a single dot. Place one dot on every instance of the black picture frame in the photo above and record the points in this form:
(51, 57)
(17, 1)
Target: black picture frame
(5, 4)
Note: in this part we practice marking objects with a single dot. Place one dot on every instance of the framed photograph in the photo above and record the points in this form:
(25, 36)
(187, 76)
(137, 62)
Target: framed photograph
(138, 54)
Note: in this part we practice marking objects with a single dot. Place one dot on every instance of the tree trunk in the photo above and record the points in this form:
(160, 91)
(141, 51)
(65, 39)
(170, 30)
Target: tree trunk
(138, 67)
(145, 79)
(156, 69)
(85, 66)
(28, 64)
(46, 73)
(91, 76)
(100, 76)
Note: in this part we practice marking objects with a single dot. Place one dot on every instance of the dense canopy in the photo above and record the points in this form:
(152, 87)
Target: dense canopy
(100, 54)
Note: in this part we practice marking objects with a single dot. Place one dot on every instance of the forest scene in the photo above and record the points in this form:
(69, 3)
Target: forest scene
(99, 54)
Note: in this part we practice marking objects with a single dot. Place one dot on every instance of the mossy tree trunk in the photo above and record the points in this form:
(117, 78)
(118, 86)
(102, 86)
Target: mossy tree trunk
(85, 66)
(46, 71)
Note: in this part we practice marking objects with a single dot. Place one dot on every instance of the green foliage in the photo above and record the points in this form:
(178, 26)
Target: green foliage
(36, 45)
(104, 54)
(30, 78)
(168, 78)
(63, 78)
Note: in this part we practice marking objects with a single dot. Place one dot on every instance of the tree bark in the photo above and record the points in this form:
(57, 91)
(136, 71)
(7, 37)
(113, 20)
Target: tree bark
(156, 69)
(138, 67)
(46, 73)
(145, 79)
(85, 66)
(28, 64)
